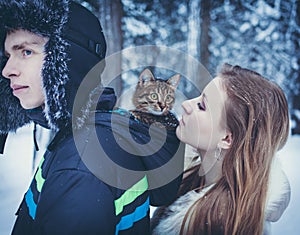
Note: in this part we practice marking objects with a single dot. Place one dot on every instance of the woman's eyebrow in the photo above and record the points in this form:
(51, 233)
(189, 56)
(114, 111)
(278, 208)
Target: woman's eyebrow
(204, 96)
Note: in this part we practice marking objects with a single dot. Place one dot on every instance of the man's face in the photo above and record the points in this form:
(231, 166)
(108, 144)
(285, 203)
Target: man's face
(25, 53)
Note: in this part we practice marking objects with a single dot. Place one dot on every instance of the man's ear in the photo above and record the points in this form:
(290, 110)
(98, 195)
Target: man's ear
(226, 142)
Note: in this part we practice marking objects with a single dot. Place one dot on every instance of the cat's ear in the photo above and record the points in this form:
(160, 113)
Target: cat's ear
(174, 80)
(145, 76)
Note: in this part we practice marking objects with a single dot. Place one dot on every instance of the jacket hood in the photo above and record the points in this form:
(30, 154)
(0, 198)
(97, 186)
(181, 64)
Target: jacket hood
(76, 44)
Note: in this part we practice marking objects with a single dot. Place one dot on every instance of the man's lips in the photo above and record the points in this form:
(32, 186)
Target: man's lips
(18, 87)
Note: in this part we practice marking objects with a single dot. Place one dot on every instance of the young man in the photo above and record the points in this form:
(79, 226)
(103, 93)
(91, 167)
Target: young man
(87, 182)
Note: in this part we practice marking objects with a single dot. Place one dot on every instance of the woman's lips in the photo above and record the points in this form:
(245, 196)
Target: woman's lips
(182, 121)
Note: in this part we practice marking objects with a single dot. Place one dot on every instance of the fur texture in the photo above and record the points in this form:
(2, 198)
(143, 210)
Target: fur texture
(154, 99)
(76, 43)
(49, 20)
(169, 222)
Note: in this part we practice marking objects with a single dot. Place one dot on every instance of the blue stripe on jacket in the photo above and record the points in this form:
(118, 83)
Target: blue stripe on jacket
(127, 221)
(30, 203)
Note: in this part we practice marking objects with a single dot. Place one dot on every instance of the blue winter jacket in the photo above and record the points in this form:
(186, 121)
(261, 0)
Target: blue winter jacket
(101, 177)
(65, 197)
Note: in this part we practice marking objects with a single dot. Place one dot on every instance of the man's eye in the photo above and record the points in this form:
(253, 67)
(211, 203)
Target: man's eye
(26, 52)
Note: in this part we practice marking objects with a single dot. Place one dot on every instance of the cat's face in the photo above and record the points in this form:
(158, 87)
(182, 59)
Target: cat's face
(155, 96)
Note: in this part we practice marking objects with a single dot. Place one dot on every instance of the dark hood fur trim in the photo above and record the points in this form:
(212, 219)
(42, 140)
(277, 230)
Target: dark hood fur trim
(55, 77)
(12, 115)
(76, 43)
(46, 18)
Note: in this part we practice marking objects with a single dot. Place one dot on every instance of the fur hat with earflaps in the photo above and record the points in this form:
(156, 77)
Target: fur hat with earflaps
(76, 44)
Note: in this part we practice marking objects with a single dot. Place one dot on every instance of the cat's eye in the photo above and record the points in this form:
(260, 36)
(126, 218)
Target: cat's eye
(154, 96)
(168, 98)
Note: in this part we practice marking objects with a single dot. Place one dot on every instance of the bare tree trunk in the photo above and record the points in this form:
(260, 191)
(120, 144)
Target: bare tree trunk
(205, 39)
(110, 15)
(194, 29)
(296, 97)
(197, 74)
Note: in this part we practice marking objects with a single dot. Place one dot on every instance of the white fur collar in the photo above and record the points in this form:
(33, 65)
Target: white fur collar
(278, 197)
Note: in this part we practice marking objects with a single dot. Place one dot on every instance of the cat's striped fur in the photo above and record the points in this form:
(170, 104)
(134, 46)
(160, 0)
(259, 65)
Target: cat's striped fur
(154, 99)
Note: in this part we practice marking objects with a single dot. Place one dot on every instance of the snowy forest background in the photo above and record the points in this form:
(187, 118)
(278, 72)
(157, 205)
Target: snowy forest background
(263, 35)
(258, 34)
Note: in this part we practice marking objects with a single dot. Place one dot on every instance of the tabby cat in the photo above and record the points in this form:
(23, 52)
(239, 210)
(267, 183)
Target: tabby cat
(154, 99)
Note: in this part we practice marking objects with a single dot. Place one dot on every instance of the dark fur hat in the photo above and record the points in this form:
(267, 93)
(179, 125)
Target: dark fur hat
(76, 43)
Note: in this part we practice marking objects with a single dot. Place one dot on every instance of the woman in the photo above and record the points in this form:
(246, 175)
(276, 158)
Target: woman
(237, 125)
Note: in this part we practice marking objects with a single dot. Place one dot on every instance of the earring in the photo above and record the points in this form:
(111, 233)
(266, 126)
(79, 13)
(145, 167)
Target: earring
(218, 153)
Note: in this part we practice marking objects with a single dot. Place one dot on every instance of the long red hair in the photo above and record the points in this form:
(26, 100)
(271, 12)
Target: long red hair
(257, 116)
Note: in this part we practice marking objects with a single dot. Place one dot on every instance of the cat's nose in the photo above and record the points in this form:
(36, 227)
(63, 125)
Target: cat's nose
(162, 106)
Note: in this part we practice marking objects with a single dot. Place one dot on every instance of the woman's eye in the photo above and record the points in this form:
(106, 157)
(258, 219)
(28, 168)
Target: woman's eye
(201, 106)
(26, 52)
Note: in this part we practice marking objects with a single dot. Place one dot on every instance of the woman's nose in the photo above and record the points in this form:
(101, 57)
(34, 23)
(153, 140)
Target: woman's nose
(186, 105)
(10, 69)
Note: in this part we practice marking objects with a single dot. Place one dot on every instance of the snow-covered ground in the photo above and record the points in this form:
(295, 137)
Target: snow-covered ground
(289, 223)
(16, 170)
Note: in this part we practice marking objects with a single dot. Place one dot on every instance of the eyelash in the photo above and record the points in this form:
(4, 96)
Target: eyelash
(200, 106)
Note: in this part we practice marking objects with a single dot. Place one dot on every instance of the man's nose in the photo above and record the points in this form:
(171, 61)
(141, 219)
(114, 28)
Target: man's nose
(10, 69)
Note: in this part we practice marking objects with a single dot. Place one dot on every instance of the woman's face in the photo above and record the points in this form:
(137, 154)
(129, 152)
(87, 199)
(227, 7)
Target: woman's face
(203, 121)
